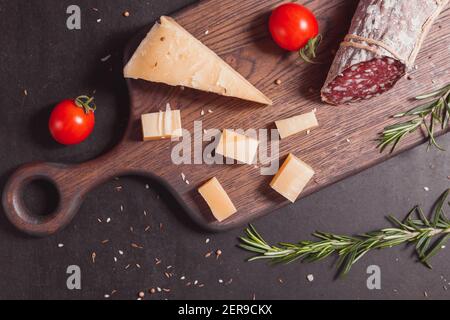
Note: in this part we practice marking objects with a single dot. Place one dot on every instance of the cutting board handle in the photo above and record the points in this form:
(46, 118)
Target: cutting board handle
(72, 182)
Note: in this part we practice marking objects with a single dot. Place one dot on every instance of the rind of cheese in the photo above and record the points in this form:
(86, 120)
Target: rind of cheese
(217, 199)
(237, 146)
(292, 178)
(161, 125)
(290, 126)
(169, 54)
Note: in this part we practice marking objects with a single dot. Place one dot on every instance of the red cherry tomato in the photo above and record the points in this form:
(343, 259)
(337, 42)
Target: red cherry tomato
(72, 121)
(292, 26)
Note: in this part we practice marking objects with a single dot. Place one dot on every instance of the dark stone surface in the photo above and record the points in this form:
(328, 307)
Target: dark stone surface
(40, 55)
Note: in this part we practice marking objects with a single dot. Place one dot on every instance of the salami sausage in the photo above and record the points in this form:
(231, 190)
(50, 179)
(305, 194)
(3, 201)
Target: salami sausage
(380, 47)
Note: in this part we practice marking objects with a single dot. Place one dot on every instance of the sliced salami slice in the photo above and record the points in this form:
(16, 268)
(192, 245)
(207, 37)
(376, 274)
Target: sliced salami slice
(381, 46)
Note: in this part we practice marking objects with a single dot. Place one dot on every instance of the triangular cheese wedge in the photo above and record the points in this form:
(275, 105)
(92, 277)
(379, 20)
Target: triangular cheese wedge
(171, 55)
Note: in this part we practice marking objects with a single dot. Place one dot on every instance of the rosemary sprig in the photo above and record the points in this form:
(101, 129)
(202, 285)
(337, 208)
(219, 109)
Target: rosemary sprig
(435, 111)
(428, 235)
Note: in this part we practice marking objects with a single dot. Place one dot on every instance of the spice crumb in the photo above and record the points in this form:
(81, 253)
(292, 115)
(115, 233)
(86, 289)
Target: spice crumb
(310, 277)
(206, 32)
(141, 294)
(107, 296)
(218, 253)
(207, 240)
(60, 245)
(93, 256)
(426, 188)
(278, 81)
(152, 290)
(105, 241)
(108, 220)
(126, 14)
(105, 58)
(147, 186)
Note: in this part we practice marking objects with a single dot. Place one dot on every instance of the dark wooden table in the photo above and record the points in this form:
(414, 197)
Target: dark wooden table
(41, 56)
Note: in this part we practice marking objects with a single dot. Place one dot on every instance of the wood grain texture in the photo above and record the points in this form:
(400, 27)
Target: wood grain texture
(343, 145)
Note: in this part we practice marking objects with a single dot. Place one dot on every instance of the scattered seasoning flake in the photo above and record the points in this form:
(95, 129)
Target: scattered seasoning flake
(254, 297)
(127, 266)
(218, 253)
(310, 277)
(278, 81)
(425, 294)
(202, 113)
(126, 14)
(207, 240)
(308, 131)
(182, 278)
(121, 252)
(121, 208)
(105, 241)
(210, 111)
(99, 20)
(187, 181)
(115, 259)
(141, 294)
(158, 261)
(147, 186)
(99, 220)
(201, 285)
(220, 281)
(208, 254)
(426, 188)
(166, 289)
(25, 92)
(93, 256)
(107, 296)
(134, 245)
(147, 228)
(348, 140)
(169, 267)
(108, 220)
(159, 289)
(118, 188)
(195, 282)
(183, 176)
(60, 245)
(152, 290)
(206, 32)
(106, 58)
(280, 280)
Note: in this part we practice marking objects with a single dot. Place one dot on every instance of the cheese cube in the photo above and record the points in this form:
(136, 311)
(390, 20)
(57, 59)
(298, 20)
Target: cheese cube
(217, 199)
(290, 126)
(292, 178)
(237, 146)
(160, 125)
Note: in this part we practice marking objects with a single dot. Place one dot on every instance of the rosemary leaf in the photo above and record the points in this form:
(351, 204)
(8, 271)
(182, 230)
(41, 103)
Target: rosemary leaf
(428, 236)
(428, 114)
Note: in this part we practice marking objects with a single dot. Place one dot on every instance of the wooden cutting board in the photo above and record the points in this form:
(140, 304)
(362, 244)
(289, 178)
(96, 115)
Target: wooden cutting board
(237, 31)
